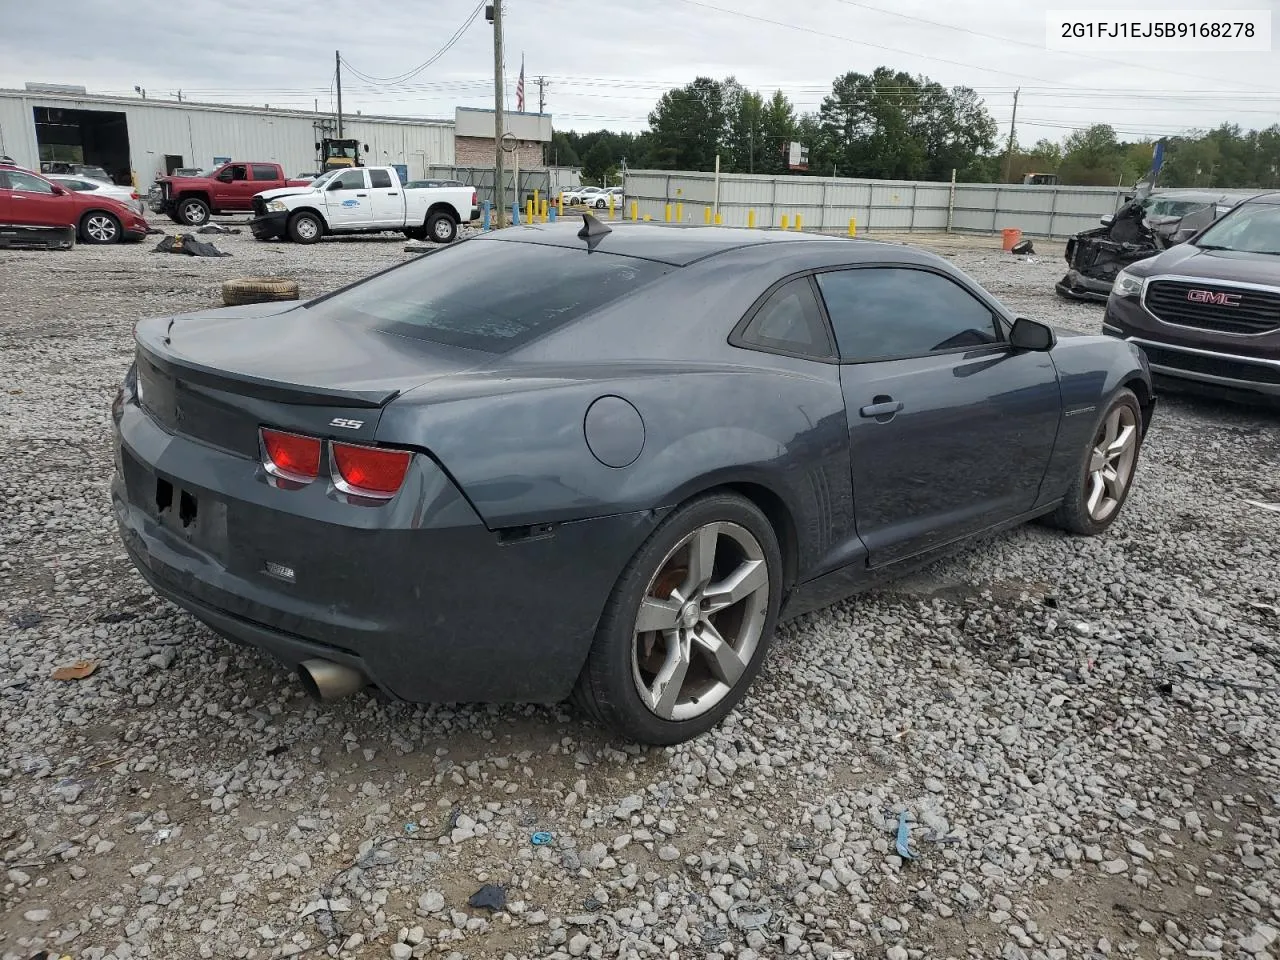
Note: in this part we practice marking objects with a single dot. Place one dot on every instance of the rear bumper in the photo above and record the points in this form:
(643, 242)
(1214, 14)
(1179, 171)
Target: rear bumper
(417, 593)
(269, 226)
(26, 236)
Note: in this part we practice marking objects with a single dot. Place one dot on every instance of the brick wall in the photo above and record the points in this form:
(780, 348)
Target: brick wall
(478, 152)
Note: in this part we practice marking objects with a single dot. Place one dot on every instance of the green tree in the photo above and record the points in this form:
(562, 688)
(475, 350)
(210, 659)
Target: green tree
(1093, 157)
(778, 128)
(561, 151)
(599, 163)
(688, 126)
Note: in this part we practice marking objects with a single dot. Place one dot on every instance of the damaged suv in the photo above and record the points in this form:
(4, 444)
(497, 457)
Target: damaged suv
(1207, 312)
(1142, 228)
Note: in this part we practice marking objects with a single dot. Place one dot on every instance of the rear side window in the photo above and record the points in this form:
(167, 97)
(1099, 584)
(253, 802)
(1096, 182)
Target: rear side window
(888, 313)
(379, 178)
(790, 322)
(265, 172)
(451, 297)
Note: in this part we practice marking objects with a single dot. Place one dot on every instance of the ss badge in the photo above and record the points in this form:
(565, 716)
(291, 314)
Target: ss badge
(346, 424)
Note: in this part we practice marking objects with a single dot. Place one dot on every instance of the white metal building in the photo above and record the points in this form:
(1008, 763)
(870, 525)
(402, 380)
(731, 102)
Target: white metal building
(138, 138)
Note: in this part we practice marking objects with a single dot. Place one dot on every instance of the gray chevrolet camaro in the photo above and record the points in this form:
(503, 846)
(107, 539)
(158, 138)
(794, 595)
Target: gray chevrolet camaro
(555, 461)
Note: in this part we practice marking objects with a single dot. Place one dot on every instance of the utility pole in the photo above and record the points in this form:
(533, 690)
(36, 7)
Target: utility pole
(499, 191)
(1013, 126)
(337, 73)
(542, 97)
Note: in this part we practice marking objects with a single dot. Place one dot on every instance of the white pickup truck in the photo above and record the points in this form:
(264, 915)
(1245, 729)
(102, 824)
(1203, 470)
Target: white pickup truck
(362, 200)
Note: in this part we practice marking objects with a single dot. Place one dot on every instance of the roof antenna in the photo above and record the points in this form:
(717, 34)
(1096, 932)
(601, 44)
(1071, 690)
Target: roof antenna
(593, 230)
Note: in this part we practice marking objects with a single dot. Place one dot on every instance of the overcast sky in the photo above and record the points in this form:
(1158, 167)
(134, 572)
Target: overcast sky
(606, 63)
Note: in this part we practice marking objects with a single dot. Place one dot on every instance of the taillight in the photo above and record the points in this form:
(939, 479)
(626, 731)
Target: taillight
(291, 456)
(136, 195)
(369, 471)
(474, 197)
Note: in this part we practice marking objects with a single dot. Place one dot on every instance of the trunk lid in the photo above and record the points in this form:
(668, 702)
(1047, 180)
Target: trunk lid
(218, 375)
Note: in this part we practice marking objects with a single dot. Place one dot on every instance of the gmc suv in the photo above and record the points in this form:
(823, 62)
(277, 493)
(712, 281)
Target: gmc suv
(1207, 312)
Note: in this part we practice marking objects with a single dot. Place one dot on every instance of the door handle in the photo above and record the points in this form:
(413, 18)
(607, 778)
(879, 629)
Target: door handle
(361, 194)
(393, 194)
(882, 408)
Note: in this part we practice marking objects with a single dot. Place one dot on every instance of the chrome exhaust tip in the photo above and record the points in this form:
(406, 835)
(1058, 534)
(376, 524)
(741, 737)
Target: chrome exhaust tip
(326, 680)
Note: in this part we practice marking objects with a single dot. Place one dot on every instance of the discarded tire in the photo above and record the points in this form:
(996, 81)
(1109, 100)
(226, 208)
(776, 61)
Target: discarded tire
(258, 290)
(1022, 248)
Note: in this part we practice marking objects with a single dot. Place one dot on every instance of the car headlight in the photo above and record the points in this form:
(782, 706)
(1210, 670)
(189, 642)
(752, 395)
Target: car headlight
(276, 206)
(1127, 285)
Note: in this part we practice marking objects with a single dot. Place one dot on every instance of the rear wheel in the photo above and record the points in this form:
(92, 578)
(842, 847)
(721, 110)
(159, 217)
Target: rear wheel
(688, 624)
(193, 212)
(441, 228)
(305, 228)
(98, 226)
(1105, 474)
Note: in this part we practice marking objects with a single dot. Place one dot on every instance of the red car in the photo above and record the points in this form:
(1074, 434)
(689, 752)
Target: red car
(35, 210)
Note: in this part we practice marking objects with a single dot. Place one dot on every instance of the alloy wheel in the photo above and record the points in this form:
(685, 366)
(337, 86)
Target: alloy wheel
(442, 229)
(700, 621)
(1115, 449)
(101, 229)
(307, 228)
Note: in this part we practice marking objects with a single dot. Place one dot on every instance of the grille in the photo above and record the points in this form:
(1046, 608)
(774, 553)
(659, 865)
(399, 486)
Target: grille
(1212, 366)
(1254, 311)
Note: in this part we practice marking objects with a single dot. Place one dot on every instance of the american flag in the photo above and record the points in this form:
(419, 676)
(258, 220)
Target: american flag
(520, 87)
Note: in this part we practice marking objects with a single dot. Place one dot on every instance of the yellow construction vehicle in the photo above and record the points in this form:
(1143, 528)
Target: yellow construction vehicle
(335, 154)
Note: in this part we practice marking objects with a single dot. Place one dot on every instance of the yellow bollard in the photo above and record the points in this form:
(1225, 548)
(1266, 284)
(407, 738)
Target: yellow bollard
(786, 221)
(635, 211)
(611, 198)
(853, 226)
(666, 212)
(799, 223)
(560, 206)
(679, 213)
(544, 211)
(719, 219)
(706, 215)
(528, 210)
(751, 219)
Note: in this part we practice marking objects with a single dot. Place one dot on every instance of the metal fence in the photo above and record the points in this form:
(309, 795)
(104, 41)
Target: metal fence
(829, 203)
(545, 180)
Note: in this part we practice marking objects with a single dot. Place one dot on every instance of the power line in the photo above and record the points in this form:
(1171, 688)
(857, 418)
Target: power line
(457, 35)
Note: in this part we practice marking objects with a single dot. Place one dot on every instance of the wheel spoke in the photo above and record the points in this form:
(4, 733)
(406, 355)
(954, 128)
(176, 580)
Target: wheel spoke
(1112, 428)
(657, 614)
(1111, 481)
(1096, 492)
(702, 558)
(749, 577)
(1121, 443)
(664, 693)
(724, 662)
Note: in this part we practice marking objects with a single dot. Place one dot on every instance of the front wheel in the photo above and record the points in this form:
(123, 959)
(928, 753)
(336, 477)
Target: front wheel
(193, 212)
(99, 227)
(441, 228)
(688, 624)
(1105, 474)
(305, 228)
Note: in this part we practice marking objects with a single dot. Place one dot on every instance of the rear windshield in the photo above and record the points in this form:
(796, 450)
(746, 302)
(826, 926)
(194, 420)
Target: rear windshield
(489, 295)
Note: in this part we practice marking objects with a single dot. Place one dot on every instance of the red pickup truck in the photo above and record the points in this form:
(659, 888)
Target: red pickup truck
(230, 188)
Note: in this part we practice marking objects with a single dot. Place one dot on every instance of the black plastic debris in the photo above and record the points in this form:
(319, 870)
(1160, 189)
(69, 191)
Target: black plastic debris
(216, 228)
(25, 621)
(185, 243)
(1023, 248)
(117, 617)
(489, 897)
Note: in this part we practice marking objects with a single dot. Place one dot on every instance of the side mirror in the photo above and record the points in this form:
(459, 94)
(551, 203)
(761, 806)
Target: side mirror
(364, 147)
(334, 184)
(317, 144)
(226, 176)
(58, 191)
(1106, 221)
(1031, 335)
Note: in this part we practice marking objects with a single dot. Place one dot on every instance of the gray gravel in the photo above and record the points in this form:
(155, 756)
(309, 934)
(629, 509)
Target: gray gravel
(1082, 733)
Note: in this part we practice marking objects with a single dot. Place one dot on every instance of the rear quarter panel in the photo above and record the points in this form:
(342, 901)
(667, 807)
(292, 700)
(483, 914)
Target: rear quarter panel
(418, 202)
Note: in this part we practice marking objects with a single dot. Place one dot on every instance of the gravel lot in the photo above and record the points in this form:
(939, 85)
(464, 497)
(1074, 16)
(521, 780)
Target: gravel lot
(1082, 732)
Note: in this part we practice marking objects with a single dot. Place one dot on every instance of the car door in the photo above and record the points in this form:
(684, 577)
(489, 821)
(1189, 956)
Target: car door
(346, 201)
(950, 428)
(6, 204)
(33, 203)
(387, 200)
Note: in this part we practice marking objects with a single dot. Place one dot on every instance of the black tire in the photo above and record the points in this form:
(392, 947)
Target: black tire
(601, 204)
(193, 212)
(99, 227)
(306, 227)
(258, 290)
(1073, 515)
(441, 228)
(606, 688)
(416, 233)
(173, 215)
